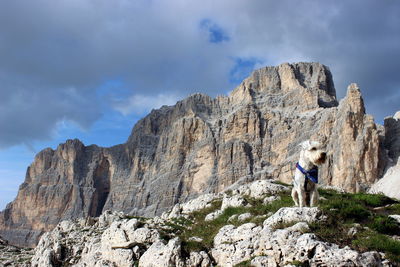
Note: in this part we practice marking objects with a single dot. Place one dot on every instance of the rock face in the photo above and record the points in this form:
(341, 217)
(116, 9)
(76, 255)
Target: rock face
(390, 182)
(115, 239)
(202, 145)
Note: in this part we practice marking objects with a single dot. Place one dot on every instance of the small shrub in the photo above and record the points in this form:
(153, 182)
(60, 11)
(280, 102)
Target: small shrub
(385, 225)
(394, 209)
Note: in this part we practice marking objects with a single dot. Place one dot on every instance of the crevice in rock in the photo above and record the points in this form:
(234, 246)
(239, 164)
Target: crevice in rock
(101, 183)
(249, 153)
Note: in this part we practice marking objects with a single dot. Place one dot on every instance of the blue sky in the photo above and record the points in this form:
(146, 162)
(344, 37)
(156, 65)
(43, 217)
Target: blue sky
(90, 69)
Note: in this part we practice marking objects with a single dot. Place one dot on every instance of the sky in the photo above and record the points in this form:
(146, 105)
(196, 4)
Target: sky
(89, 69)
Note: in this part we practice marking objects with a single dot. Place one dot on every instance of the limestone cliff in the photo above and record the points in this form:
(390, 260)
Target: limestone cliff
(199, 145)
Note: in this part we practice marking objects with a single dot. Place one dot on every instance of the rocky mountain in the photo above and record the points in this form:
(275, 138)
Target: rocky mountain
(389, 184)
(249, 225)
(202, 145)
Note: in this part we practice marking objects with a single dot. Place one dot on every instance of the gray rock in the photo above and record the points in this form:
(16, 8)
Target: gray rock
(233, 245)
(270, 199)
(396, 217)
(294, 214)
(213, 215)
(244, 216)
(163, 255)
(198, 259)
(233, 201)
(124, 242)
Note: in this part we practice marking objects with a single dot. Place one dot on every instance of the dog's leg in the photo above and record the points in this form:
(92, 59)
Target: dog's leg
(314, 197)
(302, 198)
(295, 197)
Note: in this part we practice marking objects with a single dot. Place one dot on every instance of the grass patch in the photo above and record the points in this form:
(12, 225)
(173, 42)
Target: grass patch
(258, 208)
(281, 183)
(369, 240)
(342, 210)
(202, 229)
(208, 230)
(244, 264)
(373, 200)
(394, 209)
(385, 225)
(299, 263)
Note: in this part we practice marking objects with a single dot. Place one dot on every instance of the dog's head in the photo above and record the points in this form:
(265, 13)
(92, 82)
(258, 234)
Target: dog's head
(314, 151)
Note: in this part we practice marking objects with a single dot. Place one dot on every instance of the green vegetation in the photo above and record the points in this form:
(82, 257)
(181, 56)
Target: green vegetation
(244, 264)
(344, 210)
(394, 208)
(196, 226)
(208, 229)
(365, 212)
(299, 263)
(370, 240)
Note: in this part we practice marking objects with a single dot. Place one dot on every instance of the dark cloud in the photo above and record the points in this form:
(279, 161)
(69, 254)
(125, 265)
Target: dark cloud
(55, 55)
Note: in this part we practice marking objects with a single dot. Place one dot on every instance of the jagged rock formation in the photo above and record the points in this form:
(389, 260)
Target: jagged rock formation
(390, 182)
(202, 145)
(114, 239)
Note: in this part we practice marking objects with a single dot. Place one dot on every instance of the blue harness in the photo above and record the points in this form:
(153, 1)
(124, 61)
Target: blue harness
(311, 175)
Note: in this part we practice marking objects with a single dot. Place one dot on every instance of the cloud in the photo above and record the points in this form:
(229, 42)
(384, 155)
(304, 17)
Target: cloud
(142, 104)
(242, 68)
(56, 58)
(215, 33)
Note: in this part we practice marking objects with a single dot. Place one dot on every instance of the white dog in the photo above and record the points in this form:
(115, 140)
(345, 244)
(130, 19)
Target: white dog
(312, 155)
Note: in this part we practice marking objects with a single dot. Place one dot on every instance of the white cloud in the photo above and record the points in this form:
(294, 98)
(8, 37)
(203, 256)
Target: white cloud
(141, 104)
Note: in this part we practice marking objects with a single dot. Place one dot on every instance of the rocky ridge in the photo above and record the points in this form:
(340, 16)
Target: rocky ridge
(14, 256)
(282, 238)
(390, 182)
(203, 145)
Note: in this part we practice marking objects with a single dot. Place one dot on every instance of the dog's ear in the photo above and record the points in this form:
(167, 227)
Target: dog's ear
(305, 145)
